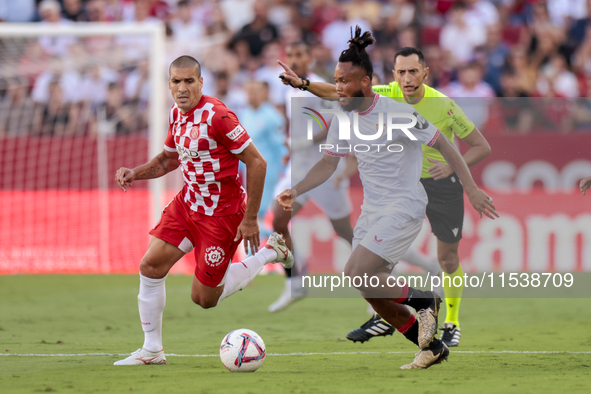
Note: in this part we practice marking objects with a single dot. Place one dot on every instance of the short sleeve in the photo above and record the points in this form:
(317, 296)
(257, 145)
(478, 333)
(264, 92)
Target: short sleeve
(426, 133)
(334, 146)
(458, 121)
(169, 144)
(229, 132)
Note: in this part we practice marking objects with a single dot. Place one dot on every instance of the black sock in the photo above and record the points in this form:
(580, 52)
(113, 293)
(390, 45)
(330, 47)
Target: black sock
(413, 333)
(418, 299)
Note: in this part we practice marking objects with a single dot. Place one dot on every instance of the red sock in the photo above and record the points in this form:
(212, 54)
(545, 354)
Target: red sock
(404, 329)
(404, 295)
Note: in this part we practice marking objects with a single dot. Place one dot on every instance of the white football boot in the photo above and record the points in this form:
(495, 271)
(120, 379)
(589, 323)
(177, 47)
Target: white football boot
(284, 255)
(143, 357)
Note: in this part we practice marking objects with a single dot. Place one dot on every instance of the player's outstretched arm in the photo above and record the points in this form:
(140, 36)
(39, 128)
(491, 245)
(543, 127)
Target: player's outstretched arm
(320, 89)
(478, 198)
(314, 178)
(161, 164)
(256, 169)
(585, 184)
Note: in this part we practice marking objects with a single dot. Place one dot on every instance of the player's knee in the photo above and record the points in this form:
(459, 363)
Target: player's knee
(150, 268)
(449, 263)
(204, 302)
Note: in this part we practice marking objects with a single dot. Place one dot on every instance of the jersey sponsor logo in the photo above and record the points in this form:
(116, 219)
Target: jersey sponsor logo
(185, 153)
(421, 122)
(194, 132)
(450, 112)
(236, 133)
(214, 255)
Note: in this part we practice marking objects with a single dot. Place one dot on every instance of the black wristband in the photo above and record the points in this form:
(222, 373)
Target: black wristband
(305, 84)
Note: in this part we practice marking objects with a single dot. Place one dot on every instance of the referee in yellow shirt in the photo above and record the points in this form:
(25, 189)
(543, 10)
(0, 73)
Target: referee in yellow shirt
(445, 209)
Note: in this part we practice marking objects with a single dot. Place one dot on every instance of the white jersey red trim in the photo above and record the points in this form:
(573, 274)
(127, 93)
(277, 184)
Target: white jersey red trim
(207, 139)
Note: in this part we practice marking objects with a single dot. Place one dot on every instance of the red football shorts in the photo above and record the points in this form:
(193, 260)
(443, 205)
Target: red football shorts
(211, 238)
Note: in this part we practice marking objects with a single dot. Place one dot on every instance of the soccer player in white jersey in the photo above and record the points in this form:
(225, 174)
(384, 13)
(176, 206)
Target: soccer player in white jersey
(394, 199)
(209, 215)
(332, 199)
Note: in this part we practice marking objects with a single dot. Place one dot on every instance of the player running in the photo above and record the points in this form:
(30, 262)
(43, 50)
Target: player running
(394, 200)
(445, 208)
(208, 215)
(333, 199)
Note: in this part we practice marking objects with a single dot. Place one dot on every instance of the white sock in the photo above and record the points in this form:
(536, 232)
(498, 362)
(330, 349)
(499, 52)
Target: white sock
(151, 302)
(415, 258)
(241, 274)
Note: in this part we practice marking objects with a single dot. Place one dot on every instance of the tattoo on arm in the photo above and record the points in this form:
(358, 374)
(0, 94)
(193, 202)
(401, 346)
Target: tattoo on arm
(162, 165)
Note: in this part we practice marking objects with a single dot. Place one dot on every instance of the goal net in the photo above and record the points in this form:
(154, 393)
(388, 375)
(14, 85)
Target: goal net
(76, 103)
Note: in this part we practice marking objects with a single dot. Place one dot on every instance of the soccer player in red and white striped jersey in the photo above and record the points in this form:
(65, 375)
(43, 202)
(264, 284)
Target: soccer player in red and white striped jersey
(209, 215)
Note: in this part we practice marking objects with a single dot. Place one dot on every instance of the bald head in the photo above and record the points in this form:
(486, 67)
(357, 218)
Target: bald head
(186, 62)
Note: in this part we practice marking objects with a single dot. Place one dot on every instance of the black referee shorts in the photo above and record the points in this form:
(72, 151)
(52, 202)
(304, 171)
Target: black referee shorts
(445, 208)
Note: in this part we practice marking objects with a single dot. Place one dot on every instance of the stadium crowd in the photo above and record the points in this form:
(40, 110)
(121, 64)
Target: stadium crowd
(511, 49)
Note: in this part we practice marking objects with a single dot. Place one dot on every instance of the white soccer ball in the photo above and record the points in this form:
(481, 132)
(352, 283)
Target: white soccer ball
(242, 350)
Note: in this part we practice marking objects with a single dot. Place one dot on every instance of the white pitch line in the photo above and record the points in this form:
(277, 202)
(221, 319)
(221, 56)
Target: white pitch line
(303, 354)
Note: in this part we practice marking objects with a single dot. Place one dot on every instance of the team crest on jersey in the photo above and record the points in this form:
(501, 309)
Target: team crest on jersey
(214, 255)
(195, 132)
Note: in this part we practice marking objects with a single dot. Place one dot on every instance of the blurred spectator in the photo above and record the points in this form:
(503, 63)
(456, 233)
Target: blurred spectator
(260, 31)
(459, 38)
(238, 13)
(563, 12)
(217, 23)
(280, 12)
(516, 109)
(96, 10)
(184, 29)
(578, 26)
(546, 38)
(556, 78)
(368, 10)
(57, 117)
(56, 72)
(269, 73)
(397, 14)
(233, 98)
(582, 56)
(323, 13)
(116, 116)
(526, 74)
(496, 55)
(50, 11)
(439, 71)
(137, 85)
(470, 84)
(33, 62)
(74, 11)
(16, 108)
(265, 125)
(481, 12)
(95, 83)
(17, 11)
(337, 32)
(136, 46)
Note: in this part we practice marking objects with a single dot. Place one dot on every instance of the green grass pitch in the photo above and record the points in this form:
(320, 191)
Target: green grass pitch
(82, 315)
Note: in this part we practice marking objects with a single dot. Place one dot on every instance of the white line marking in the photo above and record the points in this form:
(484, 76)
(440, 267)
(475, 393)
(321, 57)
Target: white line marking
(302, 354)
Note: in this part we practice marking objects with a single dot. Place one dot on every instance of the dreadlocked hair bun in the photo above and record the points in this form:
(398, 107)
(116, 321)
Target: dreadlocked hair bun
(360, 41)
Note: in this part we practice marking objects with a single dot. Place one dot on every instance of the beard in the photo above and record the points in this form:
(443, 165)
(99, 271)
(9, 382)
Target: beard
(354, 101)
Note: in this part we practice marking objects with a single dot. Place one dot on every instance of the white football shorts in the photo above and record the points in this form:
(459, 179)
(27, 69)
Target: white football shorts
(387, 235)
